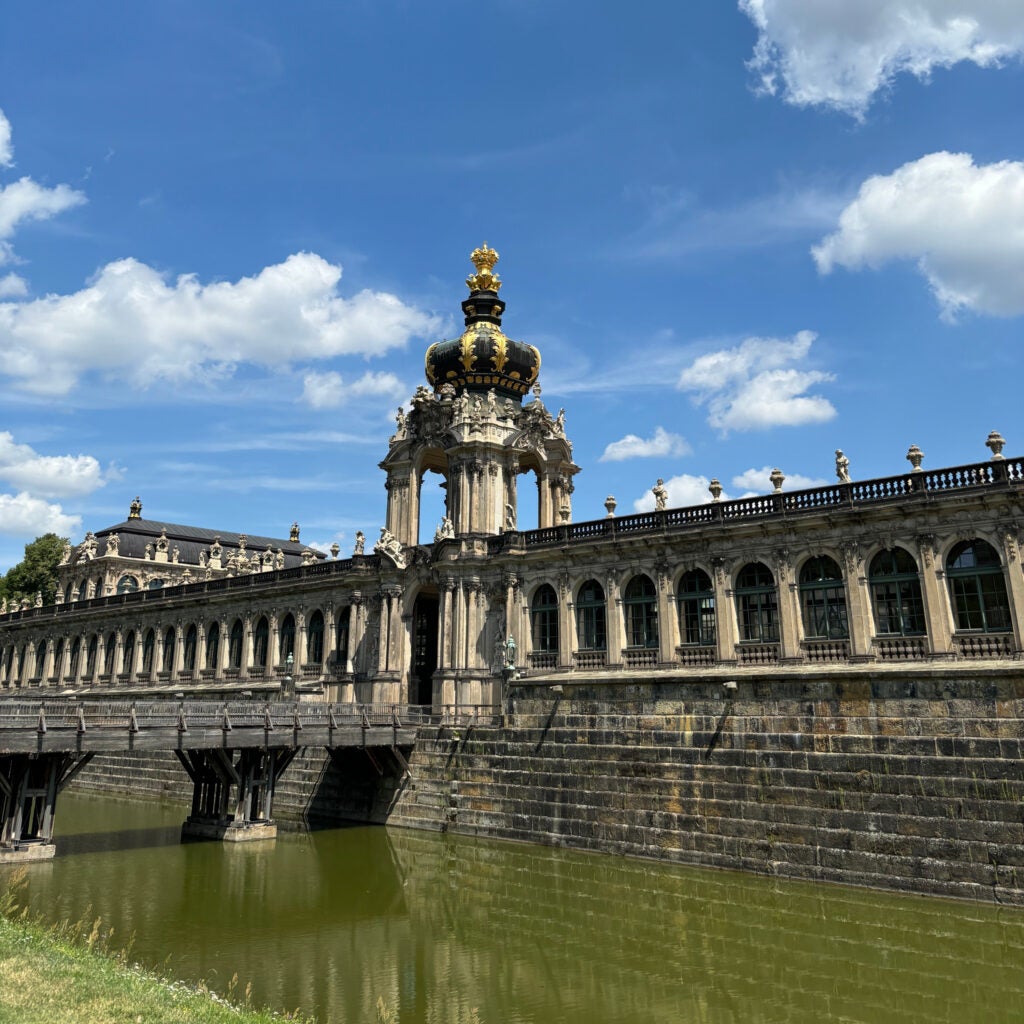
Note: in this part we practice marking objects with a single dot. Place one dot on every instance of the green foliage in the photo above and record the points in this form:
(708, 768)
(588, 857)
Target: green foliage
(37, 571)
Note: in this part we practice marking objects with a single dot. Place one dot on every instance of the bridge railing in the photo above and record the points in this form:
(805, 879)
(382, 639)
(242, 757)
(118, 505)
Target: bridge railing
(137, 716)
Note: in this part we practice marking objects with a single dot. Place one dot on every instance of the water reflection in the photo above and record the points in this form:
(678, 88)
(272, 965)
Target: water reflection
(330, 921)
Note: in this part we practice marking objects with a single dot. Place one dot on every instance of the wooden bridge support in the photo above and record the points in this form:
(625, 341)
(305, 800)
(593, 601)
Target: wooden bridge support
(233, 797)
(29, 786)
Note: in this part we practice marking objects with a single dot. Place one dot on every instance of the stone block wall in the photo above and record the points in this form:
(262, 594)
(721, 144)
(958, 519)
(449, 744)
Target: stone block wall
(903, 782)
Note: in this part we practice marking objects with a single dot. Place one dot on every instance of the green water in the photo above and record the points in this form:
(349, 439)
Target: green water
(436, 924)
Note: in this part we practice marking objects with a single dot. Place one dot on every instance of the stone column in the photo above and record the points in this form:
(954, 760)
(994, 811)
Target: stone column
(858, 602)
(789, 612)
(48, 661)
(615, 625)
(301, 654)
(936, 602)
(179, 651)
(725, 612)
(566, 636)
(247, 646)
(200, 650)
(223, 649)
(1014, 582)
(668, 624)
(83, 655)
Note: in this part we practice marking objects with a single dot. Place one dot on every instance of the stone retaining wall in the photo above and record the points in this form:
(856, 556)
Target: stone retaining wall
(910, 781)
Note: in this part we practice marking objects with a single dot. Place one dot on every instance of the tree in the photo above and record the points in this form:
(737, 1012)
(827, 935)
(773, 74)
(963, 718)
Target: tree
(37, 571)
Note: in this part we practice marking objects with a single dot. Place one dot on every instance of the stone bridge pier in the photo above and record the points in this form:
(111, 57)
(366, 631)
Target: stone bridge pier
(233, 796)
(29, 786)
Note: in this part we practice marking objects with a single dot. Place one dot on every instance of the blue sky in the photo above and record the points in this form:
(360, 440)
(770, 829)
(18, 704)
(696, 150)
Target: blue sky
(743, 234)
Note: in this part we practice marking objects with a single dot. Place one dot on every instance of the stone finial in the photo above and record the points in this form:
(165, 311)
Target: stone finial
(610, 504)
(335, 549)
(293, 536)
(777, 478)
(135, 509)
(715, 487)
(915, 457)
(995, 443)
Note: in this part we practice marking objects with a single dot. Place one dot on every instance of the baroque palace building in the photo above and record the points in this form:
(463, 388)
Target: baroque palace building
(921, 566)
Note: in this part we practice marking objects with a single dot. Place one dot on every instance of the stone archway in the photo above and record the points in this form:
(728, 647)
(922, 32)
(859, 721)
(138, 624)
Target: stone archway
(424, 646)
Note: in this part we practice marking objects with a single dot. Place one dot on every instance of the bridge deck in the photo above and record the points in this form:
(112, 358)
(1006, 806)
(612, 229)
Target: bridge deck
(97, 726)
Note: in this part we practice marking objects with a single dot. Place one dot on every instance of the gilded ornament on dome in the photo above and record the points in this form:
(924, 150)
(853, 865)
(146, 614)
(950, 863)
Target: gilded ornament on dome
(468, 355)
(500, 357)
(484, 280)
(429, 364)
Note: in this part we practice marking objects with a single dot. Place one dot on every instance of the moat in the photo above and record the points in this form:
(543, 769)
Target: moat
(329, 921)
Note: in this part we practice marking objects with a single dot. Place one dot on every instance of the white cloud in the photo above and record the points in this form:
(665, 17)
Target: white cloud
(131, 324)
(12, 286)
(682, 490)
(758, 481)
(6, 149)
(329, 390)
(25, 199)
(23, 515)
(49, 476)
(840, 53)
(963, 224)
(753, 387)
(633, 447)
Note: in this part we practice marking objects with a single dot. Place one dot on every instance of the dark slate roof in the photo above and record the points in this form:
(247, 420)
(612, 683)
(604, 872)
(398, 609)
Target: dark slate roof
(135, 534)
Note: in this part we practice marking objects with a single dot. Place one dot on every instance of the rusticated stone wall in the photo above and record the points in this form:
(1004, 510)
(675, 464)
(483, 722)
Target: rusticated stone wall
(909, 780)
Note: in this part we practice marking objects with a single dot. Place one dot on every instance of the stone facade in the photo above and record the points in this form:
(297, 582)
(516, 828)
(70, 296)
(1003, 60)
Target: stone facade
(916, 568)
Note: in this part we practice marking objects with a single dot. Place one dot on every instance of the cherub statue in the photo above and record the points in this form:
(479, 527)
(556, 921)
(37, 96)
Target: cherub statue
(660, 495)
(360, 543)
(842, 467)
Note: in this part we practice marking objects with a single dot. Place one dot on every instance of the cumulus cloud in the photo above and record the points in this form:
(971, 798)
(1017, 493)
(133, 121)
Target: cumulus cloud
(633, 447)
(12, 286)
(132, 323)
(840, 53)
(329, 390)
(684, 489)
(6, 150)
(963, 225)
(23, 515)
(754, 386)
(26, 199)
(758, 481)
(49, 476)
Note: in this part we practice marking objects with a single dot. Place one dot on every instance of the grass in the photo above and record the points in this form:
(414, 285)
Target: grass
(70, 974)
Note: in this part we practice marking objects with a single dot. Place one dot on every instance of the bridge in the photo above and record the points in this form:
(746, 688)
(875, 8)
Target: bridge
(234, 752)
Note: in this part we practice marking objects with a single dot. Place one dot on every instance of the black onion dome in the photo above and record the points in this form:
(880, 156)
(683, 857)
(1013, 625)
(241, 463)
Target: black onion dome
(483, 358)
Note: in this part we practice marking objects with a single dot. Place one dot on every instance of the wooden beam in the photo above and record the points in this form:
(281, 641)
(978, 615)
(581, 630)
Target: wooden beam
(75, 768)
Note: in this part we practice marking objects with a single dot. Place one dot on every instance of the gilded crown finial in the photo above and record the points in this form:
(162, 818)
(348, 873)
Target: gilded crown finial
(483, 280)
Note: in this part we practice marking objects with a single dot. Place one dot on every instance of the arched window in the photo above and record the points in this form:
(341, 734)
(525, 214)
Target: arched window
(287, 638)
(212, 645)
(896, 594)
(544, 619)
(191, 634)
(641, 601)
(76, 653)
(127, 585)
(90, 656)
(148, 643)
(591, 620)
(757, 604)
(169, 639)
(108, 654)
(823, 600)
(129, 654)
(696, 608)
(69, 591)
(155, 584)
(977, 588)
(341, 630)
(261, 638)
(40, 659)
(315, 638)
(235, 645)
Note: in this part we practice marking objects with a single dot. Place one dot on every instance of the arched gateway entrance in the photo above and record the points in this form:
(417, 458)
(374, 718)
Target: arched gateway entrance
(424, 647)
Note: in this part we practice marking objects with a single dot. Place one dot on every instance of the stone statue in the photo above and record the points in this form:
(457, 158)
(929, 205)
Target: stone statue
(842, 467)
(461, 406)
(88, 549)
(492, 403)
(445, 531)
(3, 606)
(65, 555)
(215, 549)
(113, 544)
(560, 423)
(510, 516)
(148, 553)
(360, 543)
(660, 495)
(278, 559)
(308, 558)
(400, 425)
(175, 553)
(39, 599)
(203, 557)
(389, 546)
